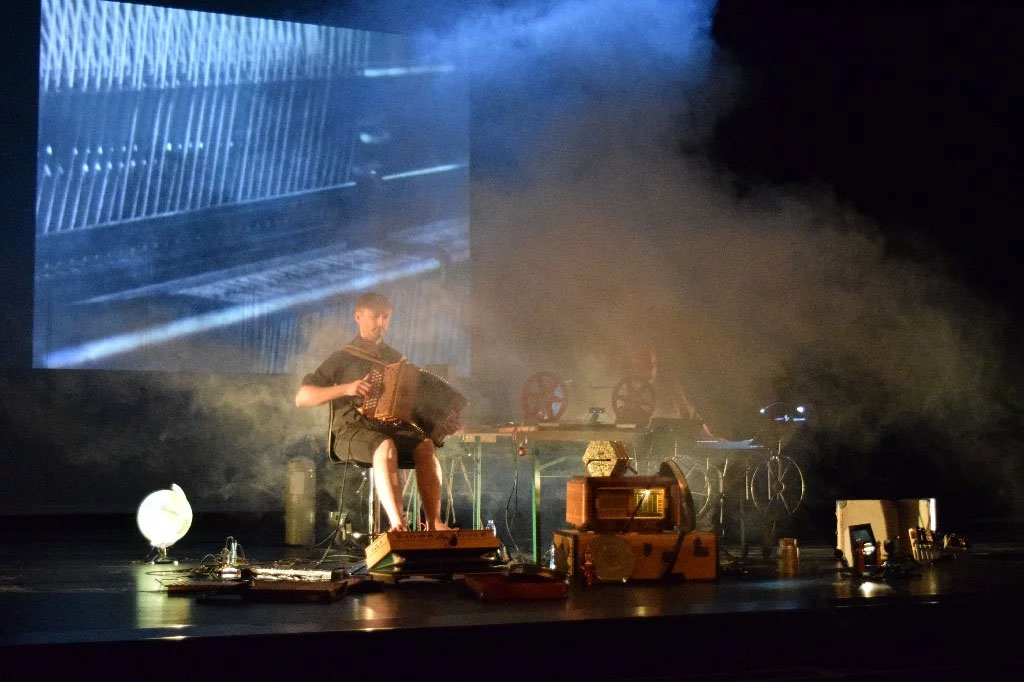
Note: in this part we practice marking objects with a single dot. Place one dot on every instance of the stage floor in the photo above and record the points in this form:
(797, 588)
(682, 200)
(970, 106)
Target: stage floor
(77, 595)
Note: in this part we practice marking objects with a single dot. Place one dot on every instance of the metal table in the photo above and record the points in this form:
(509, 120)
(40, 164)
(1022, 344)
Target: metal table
(534, 435)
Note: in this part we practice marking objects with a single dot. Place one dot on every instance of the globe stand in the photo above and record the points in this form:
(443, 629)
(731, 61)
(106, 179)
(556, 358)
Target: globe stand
(159, 556)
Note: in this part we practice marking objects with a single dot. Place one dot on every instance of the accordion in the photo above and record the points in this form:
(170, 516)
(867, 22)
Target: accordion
(402, 392)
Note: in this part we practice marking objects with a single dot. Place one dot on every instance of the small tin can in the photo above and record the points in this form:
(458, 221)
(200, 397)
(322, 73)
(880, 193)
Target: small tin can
(789, 558)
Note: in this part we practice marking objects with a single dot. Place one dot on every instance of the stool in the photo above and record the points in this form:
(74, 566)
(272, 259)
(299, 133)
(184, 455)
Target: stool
(373, 503)
(408, 491)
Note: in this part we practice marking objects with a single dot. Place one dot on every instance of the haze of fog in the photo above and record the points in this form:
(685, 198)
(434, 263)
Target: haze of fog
(599, 226)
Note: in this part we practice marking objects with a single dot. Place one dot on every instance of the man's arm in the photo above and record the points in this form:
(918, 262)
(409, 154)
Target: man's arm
(309, 395)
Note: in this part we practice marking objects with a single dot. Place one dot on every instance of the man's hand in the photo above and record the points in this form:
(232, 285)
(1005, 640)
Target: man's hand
(311, 396)
(359, 387)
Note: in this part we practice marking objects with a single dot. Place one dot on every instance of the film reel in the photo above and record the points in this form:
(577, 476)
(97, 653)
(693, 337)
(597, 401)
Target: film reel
(633, 401)
(544, 397)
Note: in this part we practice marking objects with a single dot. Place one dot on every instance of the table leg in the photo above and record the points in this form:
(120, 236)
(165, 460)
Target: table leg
(478, 476)
(535, 507)
(743, 507)
(720, 517)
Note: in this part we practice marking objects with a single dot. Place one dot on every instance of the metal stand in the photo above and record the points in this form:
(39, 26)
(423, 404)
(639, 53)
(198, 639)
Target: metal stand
(742, 508)
(456, 464)
(411, 510)
(538, 468)
(345, 535)
(160, 557)
(373, 520)
(718, 515)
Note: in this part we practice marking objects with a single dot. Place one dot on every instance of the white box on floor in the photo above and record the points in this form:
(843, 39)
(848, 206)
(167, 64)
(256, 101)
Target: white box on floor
(889, 519)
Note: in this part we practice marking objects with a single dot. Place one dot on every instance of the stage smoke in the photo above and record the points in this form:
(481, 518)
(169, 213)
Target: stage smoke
(602, 227)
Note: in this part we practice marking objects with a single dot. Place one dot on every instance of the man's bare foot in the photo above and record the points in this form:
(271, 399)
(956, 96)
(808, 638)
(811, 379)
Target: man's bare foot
(438, 525)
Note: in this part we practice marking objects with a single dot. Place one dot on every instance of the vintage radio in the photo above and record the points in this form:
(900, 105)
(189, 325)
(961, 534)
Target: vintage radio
(447, 551)
(621, 557)
(403, 392)
(622, 503)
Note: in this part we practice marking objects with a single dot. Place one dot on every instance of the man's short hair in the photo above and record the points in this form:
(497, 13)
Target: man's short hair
(375, 302)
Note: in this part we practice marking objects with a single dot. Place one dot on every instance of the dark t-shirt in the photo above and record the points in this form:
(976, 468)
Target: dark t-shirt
(343, 367)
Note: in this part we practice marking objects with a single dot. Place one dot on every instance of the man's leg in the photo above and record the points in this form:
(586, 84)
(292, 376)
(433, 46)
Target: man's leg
(385, 477)
(428, 480)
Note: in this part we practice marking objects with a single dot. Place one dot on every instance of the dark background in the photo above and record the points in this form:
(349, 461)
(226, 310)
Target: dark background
(910, 114)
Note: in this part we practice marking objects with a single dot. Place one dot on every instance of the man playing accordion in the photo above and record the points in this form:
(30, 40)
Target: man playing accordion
(343, 381)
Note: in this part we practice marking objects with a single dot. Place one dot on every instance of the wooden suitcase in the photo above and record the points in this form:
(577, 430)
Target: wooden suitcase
(615, 557)
(636, 556)
(698, 557)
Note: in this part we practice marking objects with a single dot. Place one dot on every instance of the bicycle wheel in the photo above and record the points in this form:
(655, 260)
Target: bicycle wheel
(698, 480)
(777, 486)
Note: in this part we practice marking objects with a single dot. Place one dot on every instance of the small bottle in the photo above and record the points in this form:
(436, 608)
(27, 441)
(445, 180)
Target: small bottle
(502, 550)
(859, 563)
(588, 567)
(789, 558)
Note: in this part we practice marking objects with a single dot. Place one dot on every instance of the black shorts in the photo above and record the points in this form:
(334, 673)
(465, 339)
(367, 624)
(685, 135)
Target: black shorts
(357, 444)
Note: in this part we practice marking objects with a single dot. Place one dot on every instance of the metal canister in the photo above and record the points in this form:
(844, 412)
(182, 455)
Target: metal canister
(789, 558)
(300, 502)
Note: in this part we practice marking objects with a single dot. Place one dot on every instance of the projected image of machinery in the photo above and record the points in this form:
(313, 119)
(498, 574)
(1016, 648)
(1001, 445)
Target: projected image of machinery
(209, 185)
